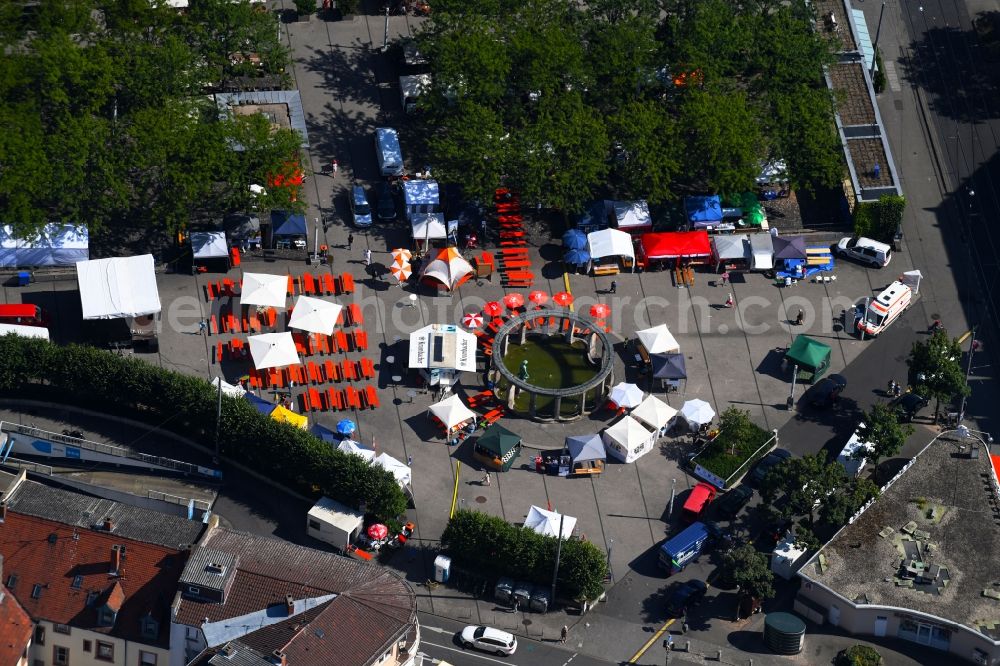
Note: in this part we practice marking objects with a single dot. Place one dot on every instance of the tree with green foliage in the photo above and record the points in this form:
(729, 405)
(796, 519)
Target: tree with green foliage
(935, 369)
(860, 655)
(879, 220)
(650, 147)
(846, 500)
(807, 482)
(749, 570)
(884, 434)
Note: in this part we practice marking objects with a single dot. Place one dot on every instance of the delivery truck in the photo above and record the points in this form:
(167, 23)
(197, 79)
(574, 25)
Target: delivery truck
(682, 549)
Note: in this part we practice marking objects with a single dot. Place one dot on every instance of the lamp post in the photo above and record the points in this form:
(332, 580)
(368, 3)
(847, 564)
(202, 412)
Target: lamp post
(611, 573)
(673, 492)
(878, 31)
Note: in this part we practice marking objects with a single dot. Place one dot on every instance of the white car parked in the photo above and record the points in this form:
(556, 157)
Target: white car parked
(489, 639)
(865, 250)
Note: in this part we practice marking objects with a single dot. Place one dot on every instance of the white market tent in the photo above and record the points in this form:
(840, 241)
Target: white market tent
(761, 252)
(658, 340)
(443, 346)
(209, 245)
(546, 523)
(315, 315)
(452, 411)
(233, 390)
(118, 287)
(400, 470)
(628, 440)
(273, 350)
(626, 395)
(610, 243)
(24, 331)
(632, 216)
(428, 226)
(654, 413)
(697, 413)
(56, 245)
(264, 289)
(352, 447)
(729, 248)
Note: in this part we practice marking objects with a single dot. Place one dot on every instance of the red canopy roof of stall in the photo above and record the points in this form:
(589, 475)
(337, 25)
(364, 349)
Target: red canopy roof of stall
(673, 244)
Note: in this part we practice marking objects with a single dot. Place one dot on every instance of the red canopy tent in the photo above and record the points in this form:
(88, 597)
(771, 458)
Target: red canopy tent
(675, 245)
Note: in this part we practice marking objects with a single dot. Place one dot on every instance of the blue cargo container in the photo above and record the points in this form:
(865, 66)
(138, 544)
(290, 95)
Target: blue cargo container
(678, 551)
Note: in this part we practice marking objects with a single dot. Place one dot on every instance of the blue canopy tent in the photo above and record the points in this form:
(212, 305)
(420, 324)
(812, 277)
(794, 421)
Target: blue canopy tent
(285, 224)
(670, 368)
(574, 239)
(263, 406)
(577, 257)
(324, 433)
(586, 453)
(703, 211)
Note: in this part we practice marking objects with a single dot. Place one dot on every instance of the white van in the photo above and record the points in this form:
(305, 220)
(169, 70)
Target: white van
(388, 152)
(885, 309)
(865, 250)
(852, 461)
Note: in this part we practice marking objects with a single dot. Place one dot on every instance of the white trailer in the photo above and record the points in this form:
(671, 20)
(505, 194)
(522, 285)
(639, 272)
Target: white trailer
(852, 457)
(334, 523)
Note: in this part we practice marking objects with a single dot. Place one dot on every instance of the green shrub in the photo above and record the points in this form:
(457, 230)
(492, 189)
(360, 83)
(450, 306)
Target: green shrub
(304, 7)
(481, 542)
(880, 219)
(878, 80)
(737, 441)
(99, 380)
(860, 655)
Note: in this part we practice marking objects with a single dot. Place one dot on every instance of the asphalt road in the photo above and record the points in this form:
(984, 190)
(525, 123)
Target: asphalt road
(439, 642)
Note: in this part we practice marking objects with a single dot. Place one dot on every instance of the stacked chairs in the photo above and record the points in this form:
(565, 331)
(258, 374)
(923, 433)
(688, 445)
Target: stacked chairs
(515, 261)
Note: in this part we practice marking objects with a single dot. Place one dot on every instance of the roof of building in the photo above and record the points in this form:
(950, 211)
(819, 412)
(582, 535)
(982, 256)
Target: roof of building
(941, 512)
(373, 608)
(55, 569)
(15, 628)
(84, 511)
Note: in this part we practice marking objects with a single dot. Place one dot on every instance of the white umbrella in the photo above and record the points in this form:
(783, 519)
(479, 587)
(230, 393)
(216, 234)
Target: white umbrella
(452, 411)
(273, 350)
(264, 289)
(352, 447)
(546, 523)
(658, 340)
(626, 395)
(315, 315)
(654, 412)
(398, 469)
(697, 412)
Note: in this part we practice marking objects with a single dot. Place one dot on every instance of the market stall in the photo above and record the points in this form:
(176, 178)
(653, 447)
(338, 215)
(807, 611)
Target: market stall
(122, 288)
(703, 211)
(548, 523)
(284, 415)
(632, 216)
(446, 269)
(452, 413)
(761, 252)
(428, 228)
(497, 448)
(657, 340)
(809, 358)
(421, 196)
(399, 470)
(731, 252)
(628, 440)
(55, 245)
(654, 414)
(609, 250)
(670, 368)
(441, 352)
(674, 246)
(586, 453)
(210, 247)
(355, 449)
(288, 230)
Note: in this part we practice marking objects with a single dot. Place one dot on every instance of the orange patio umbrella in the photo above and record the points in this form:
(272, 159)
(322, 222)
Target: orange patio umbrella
(513, 301)
(599, 310)
(492, 309)
(538, 297)
(563, 299)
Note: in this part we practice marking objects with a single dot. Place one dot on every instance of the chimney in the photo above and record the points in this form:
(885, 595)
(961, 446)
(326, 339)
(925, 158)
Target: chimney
(116, 559)
(109, 525)
(289, 605)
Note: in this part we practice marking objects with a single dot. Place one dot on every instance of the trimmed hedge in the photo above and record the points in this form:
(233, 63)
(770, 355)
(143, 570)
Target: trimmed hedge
(738, 439)
(485, 543)
(879, 220)
(100, 380)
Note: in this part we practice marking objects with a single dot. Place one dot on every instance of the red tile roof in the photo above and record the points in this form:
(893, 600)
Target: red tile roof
(65, 564)
(15, 628)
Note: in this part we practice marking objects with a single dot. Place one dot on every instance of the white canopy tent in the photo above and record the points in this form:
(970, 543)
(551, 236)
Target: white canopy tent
(233, 390)
(441, 351)
(628, 440)
(352, 447)
(452, 411)
(264, 289)
(315, 315)
(24, 331)
(912, 280)
(610, 243)
(118, 287)
(697, 413)
(654, 413)
(547, 523)
(626, 395)
(400, 470)
(209, 245)
(658, 340)
(428, 226)
(273, 350)
(761, 252)
(55, 245)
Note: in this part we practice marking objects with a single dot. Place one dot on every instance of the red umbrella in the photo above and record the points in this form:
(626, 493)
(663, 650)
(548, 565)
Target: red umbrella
(492, 309)
(513, 301)
(562, 299)
(599, 310)
(538, 297)
(378, 531)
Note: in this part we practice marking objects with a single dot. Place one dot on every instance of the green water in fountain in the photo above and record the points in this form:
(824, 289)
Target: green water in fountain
(552, 363)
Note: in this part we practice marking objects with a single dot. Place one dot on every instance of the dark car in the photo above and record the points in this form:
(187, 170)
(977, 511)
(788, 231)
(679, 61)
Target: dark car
(827, 391)
(733, 501)
(910, 405)
(684, 596)
(767, 463)
(385, 202)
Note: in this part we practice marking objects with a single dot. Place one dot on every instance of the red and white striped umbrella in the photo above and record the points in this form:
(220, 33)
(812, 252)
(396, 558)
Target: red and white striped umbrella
(401, 271)
(472, 320)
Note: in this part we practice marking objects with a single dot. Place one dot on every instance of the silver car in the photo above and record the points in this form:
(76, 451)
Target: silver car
(489, 639)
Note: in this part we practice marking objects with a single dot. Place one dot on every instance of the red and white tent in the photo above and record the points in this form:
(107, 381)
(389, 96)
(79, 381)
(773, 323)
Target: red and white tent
(447, 270)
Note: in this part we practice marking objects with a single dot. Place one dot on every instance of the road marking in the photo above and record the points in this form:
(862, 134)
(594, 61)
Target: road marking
(437, 629)
(649, 643)
(454, 493)
(965, 336)
(566, 284)
(891, 77)
(467, 653)
(570, 659)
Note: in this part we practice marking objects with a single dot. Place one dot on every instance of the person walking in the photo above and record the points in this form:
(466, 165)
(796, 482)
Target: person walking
(799, 317)
(486, 480)
(202, 326)
(334, 167)
(368, 257)
(614, 287)
(350, 241)
(563, 634)
(725, 278)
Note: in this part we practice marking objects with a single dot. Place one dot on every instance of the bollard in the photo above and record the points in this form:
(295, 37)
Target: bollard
(687, 646)
(718, 656)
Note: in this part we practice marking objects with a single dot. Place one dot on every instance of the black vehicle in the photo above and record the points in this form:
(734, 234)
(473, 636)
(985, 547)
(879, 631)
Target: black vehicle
(910, 405)
(827, 392)
(385, 202)
(684, 596)
(733, 501)
(767, 463)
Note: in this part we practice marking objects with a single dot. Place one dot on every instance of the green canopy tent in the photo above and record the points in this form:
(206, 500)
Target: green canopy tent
(810, 356)
(498, 447)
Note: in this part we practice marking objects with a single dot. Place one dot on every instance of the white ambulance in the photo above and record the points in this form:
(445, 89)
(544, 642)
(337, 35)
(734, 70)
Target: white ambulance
(884, 309)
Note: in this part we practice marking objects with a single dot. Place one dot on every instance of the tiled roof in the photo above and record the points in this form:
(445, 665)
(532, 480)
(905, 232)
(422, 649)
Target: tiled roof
(374, 606)
(58, 566)
(86, 512)
(15, 628)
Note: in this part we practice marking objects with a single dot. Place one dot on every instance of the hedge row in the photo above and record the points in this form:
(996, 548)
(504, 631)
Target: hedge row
(93, 378)
(491, 545)
(880, 219)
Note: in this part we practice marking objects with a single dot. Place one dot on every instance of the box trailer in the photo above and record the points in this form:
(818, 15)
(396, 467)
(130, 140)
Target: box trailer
(334, 523)
(680, 550)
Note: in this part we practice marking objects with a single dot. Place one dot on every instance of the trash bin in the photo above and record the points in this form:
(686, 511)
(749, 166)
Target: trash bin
(540, 600)
(442, 568)
(504, 590)
(522, 593)
(23, 278)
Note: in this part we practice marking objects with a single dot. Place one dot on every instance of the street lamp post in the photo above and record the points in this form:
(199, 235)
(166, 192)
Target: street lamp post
(611, 572)
(673, 492)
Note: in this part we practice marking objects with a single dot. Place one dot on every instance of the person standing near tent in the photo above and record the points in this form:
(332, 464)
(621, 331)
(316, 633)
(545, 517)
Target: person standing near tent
(368, 257)
(729, 301)
(350, 241)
